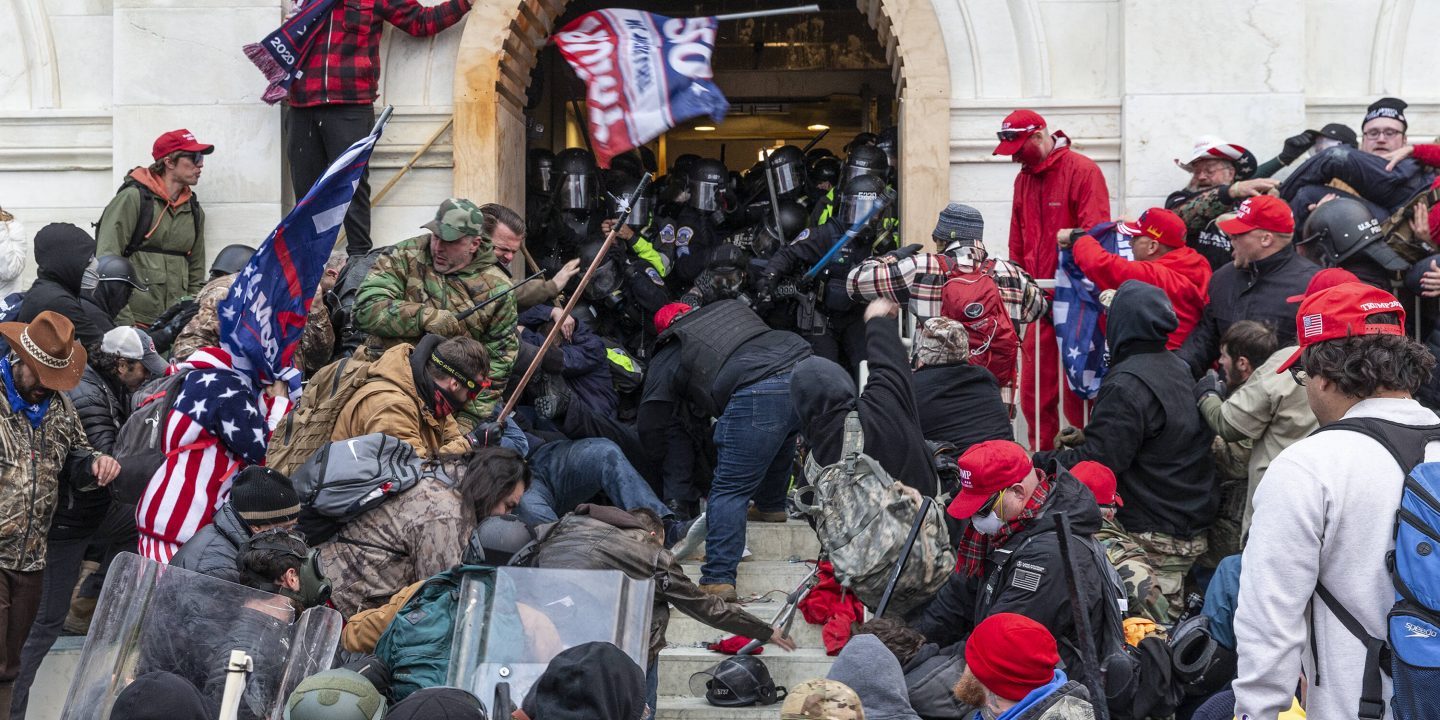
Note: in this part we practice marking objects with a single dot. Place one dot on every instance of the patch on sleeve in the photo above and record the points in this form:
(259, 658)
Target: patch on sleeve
(667, 234)
(1027, 580)
(683, 235)
(654, 276)
(803, 234)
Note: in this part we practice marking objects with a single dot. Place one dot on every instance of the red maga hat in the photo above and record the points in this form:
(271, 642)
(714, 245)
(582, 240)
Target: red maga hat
(1342, 311)
(1163, 225)
(1016, 129)
(985, 469)
(1262, 212)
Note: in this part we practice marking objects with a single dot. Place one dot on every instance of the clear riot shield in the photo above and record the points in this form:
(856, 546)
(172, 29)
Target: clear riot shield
(153, 617)
(510, 625)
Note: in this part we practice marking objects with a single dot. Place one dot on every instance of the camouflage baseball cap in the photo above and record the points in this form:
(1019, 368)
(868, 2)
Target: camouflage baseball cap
(941, 341)
(457, 218)
(821, 699)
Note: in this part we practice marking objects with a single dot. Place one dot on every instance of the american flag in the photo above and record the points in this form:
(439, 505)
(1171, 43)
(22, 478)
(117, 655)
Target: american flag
(218, 424)
(1311, 325)
(1077, 313)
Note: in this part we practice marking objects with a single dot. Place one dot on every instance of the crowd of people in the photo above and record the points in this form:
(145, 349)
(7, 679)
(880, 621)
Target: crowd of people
(713, 361)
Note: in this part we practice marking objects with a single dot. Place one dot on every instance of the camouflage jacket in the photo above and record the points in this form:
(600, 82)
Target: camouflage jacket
(1130, 561)
(30, 464)
(402, 541)
(316, 344)
(403, 294)
(1197, 209)
(1070, 701)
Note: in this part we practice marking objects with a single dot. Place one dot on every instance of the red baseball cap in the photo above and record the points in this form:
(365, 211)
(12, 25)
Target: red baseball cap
(1100, 480)
(1016, 129)
(1159, 223)
(1343, 311)
(181, 140)
(1324, 280)
(1011, 655)
(1262, 212)
(667, 314)
(985, 469)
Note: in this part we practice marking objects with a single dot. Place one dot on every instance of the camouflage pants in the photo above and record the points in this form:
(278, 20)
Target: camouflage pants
(1171, 558)
(1142, 591)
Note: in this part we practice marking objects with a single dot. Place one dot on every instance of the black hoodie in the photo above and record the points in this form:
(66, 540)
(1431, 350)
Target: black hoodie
(159, 695)
(62, 252)
(824, 393)
(1145, 425)
(593, 681)
(960, 404)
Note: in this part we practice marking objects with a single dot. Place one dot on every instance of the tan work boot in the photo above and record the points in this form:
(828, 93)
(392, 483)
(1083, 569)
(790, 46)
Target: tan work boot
(755, 514)
(724, 591)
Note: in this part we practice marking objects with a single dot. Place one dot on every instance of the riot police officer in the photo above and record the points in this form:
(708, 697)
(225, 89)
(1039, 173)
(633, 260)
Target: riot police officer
(539, 188)
(693, 231)
(573, 220)
(1344, 233)
(862, 160)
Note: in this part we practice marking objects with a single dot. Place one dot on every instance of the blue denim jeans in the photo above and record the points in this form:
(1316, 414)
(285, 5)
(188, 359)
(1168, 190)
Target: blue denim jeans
(755, 440)
(570, 472)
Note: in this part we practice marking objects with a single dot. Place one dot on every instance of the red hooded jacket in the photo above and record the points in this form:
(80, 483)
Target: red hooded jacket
(1182, 274)
(1066, 190)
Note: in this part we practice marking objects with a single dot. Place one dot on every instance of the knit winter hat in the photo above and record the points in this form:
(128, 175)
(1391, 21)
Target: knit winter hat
(438, 703)
(1011, 655)
(1387, 107)
(959, 222)
(263, 496)
(942, 341)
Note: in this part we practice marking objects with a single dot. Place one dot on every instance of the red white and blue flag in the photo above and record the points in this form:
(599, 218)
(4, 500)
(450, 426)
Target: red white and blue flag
(263, 317)
(644, 74)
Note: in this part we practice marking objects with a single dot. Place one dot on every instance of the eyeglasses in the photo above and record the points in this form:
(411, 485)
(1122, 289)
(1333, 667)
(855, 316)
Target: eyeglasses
(991, 503)
(1298, 372)
(1015, 134)
(1383, 132)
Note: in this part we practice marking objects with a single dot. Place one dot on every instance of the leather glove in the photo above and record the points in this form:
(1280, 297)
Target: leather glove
(444, 323)
(765, 288)
(1296, 145)
(486, 435)
(1209, 384)
(1070, 437)
(904, 252)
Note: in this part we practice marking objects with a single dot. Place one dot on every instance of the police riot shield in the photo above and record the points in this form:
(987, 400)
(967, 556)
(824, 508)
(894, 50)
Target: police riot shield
(153, 617)
(510, 625)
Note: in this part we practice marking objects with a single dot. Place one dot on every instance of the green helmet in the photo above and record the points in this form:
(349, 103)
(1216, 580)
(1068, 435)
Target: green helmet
(335, 695)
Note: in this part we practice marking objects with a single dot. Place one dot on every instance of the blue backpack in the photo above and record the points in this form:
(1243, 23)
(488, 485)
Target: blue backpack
(1410, 652)
(416, 646)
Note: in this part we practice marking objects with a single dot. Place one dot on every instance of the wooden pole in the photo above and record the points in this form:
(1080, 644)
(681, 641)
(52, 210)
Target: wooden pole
(375, 199)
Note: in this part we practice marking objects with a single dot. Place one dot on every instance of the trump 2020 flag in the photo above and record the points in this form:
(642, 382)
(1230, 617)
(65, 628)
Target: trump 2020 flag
(263, 317)
(1077, 311)
(644, 74)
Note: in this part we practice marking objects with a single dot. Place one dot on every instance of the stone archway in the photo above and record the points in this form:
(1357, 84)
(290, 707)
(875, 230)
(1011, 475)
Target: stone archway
(502, 40)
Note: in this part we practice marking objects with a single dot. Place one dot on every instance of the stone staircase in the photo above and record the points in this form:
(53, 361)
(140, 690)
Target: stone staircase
(776, 565)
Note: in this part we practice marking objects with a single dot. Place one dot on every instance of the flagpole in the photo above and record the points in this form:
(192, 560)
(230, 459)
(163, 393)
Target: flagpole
(769, 13)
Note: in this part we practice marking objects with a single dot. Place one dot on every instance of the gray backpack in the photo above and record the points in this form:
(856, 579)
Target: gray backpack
(863, 516)
(345, 478)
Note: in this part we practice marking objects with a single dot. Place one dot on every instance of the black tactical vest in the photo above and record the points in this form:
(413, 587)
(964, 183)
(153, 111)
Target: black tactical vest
(708, 337)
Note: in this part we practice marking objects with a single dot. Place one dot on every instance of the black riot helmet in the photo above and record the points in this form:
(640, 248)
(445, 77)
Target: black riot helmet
(858, 196)
(230, 260)
(889, 143)
(860, 140)
(787, 169)
(708, 181)
(682, 164)
(576, 179)
(540, 170)
(1342, 228)
(1201, 663)
(117, 282)
(866, 160)
(627, 164)
(622, 187)
(817, 153)
(496, 540)
(604, 285)
(825, 170)
(740, 681)
(792, 220)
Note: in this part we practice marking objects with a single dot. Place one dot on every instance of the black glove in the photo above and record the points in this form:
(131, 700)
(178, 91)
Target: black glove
(486, 435)
(1296, 145)
(765, 288)
(904, 252)
(1209, 384)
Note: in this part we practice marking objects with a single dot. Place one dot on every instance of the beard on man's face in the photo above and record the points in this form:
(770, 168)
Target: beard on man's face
(969, 691)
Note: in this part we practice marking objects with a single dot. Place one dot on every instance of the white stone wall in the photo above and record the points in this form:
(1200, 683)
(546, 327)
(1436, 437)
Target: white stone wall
(86, 85)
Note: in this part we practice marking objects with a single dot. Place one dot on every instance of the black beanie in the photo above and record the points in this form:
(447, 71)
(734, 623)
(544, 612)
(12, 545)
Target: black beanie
(262, 496)
(1387, 107)
(160, 695)
(438, 703)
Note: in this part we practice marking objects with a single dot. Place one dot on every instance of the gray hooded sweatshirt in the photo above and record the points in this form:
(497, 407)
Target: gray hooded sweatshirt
(873, 672)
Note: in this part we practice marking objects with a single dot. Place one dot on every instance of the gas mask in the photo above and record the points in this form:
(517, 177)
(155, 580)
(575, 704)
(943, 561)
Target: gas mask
(90, 279)
(314, 586)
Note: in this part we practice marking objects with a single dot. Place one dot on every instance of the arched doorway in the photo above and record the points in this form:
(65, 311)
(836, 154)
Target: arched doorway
(502, 40)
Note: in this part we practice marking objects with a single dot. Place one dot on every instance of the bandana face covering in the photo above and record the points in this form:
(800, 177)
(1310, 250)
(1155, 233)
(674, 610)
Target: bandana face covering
(442, 402)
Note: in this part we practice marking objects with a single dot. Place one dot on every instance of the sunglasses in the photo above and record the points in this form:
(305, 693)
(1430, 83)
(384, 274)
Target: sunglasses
(197, 158)
(1297, 371)
(991, 504)
(1015, 134)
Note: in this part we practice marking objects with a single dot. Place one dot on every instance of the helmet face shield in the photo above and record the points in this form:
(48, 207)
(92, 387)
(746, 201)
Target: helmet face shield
(704, 195)
(788, 178)
(856, 207)
(543, 178)
(577, 192)
(854, 171)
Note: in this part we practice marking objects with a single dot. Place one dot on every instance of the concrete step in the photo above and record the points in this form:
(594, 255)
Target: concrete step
(792, 540)
(688, 632)
(759, 577)
(677, 664)
(676, 707)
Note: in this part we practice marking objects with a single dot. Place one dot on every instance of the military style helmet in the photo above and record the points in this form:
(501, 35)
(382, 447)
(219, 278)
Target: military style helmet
(335, 695)
(740, 681)
(576, 179)
(1343, 228)
(787, 168)
(496, 540)
(230, 260)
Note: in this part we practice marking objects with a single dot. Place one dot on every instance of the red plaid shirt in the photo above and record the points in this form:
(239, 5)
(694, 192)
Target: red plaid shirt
(919, 281)
(343, 66)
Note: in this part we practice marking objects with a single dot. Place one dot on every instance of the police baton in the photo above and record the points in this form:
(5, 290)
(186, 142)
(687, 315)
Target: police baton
(850, 234)
(626, 209)
(481, 305)
(1080, 616)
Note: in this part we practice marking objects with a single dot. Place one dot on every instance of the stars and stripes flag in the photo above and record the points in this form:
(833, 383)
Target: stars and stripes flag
(263, 317)
(644, 74)
(1077, 314)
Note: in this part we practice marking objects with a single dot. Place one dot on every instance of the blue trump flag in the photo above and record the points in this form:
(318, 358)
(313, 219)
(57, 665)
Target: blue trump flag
(1077, 312)
(263, 317)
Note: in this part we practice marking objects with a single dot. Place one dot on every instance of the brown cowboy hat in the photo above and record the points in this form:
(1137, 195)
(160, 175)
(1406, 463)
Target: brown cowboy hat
(47, 346)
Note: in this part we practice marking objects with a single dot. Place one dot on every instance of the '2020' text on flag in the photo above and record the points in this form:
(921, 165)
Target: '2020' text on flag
(644, 74)
(263, 317)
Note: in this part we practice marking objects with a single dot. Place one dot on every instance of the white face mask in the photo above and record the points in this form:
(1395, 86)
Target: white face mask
(987, 524)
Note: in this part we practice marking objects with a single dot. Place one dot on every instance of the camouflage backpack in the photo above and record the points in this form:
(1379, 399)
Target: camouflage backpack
(863, 516)
(308, 427)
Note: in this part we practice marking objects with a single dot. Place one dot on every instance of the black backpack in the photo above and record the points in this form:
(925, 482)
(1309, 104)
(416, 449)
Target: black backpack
(138, 446)
(146, 217)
